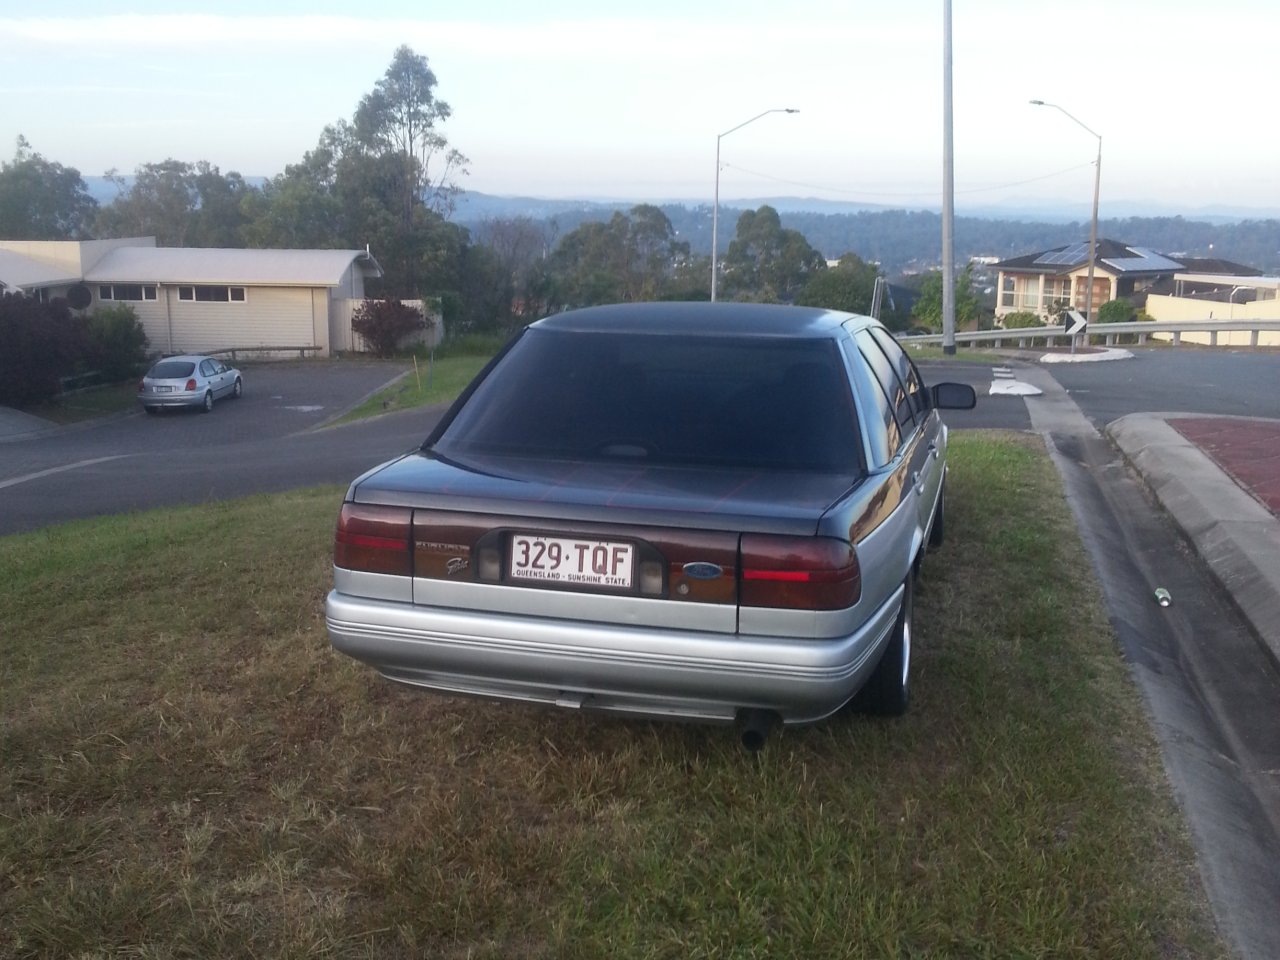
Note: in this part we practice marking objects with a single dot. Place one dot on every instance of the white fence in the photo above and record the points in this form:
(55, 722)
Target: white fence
(342, 339)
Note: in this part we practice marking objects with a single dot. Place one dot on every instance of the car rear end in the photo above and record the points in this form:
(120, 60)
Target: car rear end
(174, 382)
(630, 518)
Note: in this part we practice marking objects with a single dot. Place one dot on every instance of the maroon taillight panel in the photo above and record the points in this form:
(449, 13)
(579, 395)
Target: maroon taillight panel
(374, 539)
(675, 564)
(799, 573)
(443, 544)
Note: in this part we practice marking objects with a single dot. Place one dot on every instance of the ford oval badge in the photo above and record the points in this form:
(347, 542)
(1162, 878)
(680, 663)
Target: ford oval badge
(703, 571)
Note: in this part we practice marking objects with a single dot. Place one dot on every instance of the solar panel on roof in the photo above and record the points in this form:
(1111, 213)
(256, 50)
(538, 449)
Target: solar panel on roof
(1076, 253)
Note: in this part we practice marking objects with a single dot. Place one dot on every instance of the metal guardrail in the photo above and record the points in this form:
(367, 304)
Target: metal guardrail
(1106, 332)
(233, 352)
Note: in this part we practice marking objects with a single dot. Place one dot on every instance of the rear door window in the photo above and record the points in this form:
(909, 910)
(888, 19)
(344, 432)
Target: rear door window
(896, 411)
(906, 370)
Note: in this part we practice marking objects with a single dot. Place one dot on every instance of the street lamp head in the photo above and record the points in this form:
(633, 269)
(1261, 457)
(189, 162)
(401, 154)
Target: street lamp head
(1038, 103)
(790, 110)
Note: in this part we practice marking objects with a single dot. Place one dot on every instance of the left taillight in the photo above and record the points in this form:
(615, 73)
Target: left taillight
(374, 539)
(799, 573)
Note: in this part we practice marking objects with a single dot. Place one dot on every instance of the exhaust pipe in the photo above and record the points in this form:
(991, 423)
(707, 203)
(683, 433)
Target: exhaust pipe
(756, 725)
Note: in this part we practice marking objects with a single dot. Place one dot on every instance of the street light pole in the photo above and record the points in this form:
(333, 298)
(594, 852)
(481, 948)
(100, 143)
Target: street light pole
(948, 193)
(1093, 226)
(715, 210)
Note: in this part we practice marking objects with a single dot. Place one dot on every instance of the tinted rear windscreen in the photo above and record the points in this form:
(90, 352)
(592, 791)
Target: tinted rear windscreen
(766, 403)
(172, 370)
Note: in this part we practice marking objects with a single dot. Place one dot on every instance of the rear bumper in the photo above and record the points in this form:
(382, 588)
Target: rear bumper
(659, 673)
(183, 399)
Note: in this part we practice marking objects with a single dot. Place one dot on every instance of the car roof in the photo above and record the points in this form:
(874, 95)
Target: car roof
(703, 319)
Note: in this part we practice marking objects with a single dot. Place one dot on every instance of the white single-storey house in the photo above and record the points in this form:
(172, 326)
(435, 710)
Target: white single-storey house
(203, 299)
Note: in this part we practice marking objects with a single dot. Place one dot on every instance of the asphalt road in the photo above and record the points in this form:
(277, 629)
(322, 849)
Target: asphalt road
(266, 441)
(1186, 380)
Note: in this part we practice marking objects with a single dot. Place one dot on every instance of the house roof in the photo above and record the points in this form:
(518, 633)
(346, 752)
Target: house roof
(1217, 267)
(1253, 281)
(276, 268)
(1116, 257)
(22, 272)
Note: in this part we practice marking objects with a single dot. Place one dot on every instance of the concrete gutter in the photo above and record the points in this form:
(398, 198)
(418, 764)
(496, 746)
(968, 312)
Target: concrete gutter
(1235, 535)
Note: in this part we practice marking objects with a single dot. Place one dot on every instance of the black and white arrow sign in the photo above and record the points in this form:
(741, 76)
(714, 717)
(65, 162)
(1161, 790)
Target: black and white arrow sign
(1075, 322)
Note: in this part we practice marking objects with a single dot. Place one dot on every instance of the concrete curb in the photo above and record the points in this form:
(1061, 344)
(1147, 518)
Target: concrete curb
(1111, 353)
(1237, 537)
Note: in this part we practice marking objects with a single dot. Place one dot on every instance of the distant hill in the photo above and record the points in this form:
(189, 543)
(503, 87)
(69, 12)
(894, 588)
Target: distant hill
(906, 240)
(901, 240)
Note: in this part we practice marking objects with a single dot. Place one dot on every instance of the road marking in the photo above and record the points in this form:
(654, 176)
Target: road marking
(1002, 372)
(52, 470)
(304, 409)
(1013, 388)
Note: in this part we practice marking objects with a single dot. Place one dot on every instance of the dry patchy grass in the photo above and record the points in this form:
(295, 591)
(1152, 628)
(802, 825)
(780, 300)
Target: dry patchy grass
(189, 770)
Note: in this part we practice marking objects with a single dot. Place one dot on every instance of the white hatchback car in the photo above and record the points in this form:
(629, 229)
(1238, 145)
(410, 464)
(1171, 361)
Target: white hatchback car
(188, 381)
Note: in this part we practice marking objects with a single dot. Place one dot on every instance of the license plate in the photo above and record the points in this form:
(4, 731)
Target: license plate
(164, 389)
(589, 563)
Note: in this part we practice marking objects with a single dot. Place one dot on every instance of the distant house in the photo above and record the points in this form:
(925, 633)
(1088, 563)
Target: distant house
(202, 300)
(1167, 288)
(1234, 295)
(1040, 283)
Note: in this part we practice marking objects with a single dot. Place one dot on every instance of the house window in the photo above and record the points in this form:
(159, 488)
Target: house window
(127, 291)
(211, 293)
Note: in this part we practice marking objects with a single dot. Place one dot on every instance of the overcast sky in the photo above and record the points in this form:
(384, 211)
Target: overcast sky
(592, 98)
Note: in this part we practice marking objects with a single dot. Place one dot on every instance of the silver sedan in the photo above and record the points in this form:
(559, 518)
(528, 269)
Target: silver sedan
(702, 511)
(188, 381)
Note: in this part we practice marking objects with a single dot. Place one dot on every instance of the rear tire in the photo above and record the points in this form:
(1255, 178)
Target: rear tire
(888, 691)
(152, 410)
(208, 401)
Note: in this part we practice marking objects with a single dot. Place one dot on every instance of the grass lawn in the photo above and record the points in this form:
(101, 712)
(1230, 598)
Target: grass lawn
(189, 770)
(930, 351)
(89, 404)
(428, 383)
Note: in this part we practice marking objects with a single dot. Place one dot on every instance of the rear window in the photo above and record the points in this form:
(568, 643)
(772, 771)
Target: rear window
(764, 403)
(172, 370)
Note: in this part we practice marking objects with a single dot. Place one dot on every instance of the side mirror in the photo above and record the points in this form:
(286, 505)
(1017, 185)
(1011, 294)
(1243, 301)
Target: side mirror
(953, 396)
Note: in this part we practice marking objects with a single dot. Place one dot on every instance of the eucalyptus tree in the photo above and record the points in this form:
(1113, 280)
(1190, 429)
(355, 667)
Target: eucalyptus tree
(631, 256)
(400, 116)
(43, 200)
(848, 286)
(767, 262)
(180, 204)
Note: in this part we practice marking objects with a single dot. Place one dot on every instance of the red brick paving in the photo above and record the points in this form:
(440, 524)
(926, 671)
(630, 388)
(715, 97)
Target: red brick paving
(1249, 450)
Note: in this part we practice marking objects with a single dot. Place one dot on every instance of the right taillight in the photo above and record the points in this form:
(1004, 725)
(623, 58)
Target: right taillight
(374, 539)
(799, 573)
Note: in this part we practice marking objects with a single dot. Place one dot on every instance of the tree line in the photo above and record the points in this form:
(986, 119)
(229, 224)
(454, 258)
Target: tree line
(388, 178)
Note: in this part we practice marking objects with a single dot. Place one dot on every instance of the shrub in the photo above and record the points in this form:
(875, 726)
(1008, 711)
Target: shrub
(1022, 319)
(39, 343)
(384, 324)
(117, 344)
(1115, 311)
